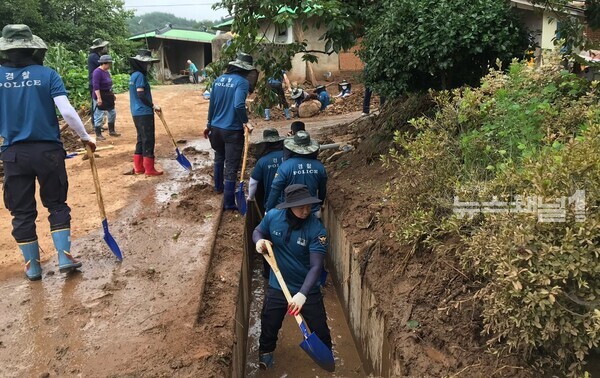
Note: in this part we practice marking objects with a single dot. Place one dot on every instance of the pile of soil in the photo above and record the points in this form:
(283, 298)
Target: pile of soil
(432, 309)
(71, 141)
(352, 103)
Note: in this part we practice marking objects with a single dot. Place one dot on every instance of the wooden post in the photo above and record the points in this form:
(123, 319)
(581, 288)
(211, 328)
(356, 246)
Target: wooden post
(162, 62)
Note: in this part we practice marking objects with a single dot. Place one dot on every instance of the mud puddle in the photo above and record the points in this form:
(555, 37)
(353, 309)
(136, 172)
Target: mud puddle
(289, 359)
(115, 319)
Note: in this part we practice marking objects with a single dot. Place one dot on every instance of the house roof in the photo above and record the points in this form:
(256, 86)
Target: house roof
(575, 8)
(226, 25)
(179, 35)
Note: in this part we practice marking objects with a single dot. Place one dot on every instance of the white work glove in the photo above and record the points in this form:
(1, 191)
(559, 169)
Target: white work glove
(156, 108)
(250, 127)
(249, 198)
(261, 246)
(295, 306)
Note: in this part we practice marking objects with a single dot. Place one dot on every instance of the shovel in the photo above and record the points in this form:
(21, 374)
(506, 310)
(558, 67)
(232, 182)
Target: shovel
(110, 241)
(240, 197)
(185, 163)
(312, 345)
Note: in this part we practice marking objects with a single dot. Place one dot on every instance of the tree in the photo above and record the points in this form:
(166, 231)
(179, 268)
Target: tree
(155, 20)
(72, 22)
(344, 23)
(420, 44)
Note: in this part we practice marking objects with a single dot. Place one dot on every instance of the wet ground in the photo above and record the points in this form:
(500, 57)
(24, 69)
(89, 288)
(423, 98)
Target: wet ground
(138, 317)
(96, 322)
(289, 359)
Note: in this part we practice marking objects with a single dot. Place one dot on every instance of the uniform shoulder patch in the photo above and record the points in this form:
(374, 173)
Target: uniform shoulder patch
(323, 240)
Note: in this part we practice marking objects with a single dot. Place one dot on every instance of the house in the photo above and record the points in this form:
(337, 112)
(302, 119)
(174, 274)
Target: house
(540, 22)
(328, 65)
(175, 46)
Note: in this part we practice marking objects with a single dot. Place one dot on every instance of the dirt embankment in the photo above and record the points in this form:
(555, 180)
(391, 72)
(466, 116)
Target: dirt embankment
(433, 314)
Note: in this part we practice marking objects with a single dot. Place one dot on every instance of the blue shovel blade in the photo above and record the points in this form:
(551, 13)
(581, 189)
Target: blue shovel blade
(240, 199)
(314, 347)
(112, 244)
(185, 163)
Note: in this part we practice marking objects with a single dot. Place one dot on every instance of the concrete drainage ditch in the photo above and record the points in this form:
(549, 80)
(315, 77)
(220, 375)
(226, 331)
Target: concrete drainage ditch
(358, 328)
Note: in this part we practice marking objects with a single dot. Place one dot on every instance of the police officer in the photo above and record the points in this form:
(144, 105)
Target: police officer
(227, 117)
(269, 156)
(323, 96)
(300, 166)
(278, 85)
(32, 148)
(142, 111)
(299, 243)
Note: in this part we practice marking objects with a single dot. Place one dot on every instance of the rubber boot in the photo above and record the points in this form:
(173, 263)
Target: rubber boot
(62, 242)
(287, 113)
(265, 361)
(138, 164)
(149, 169)
(267, 114)
(111, 130)
(31, 254)
(229, 196)
(99, 133)
(218, 178)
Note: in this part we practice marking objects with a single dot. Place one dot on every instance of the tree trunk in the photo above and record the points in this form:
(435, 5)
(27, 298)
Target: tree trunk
(310, 73)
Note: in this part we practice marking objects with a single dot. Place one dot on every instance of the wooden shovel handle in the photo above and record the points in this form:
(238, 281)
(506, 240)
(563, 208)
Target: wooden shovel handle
(270, 257)
(162, 119)
(246, 142)
(96, 182)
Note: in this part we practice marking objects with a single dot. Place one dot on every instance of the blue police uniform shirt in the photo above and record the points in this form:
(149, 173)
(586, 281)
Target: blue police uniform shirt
(293, 252)
(27, 103)
(227, 109)
(138, 108)
(299, 170)
(266, 168)
(275, 81)
(324, 99)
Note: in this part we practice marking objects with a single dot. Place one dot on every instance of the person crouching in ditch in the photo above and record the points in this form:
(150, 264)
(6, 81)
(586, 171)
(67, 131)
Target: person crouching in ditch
(299, 242)
(142, 111)
(32, 149)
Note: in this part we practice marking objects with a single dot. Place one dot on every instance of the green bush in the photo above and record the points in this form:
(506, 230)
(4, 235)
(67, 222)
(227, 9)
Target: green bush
(527, 132)
(423, 44)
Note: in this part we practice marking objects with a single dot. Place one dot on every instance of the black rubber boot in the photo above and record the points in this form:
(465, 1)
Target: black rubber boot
(99, 133)
(111, 130)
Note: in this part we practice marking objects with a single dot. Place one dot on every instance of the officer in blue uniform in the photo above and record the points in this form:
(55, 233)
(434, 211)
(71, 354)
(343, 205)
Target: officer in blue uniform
(278, 85)
(300, 166)
(32, 149)
(269, 156)
(142, 111)
(299, 243)
(323, 96)
(227, 117)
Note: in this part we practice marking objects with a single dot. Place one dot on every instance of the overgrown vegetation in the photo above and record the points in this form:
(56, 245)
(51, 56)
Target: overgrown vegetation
(524, 139)
(72, 23)
(437, 44)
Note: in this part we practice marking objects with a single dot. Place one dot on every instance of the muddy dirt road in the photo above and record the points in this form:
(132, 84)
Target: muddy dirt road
(138, 317)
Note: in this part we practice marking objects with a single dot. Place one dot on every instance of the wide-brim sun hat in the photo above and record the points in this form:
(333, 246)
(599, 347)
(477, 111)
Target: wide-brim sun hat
(98, 43)
(19, 36)
(270, 136)
(296, 93)
(243, 61)
(301, 143)
(105, 59)
(144, 55)
(297, 195)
